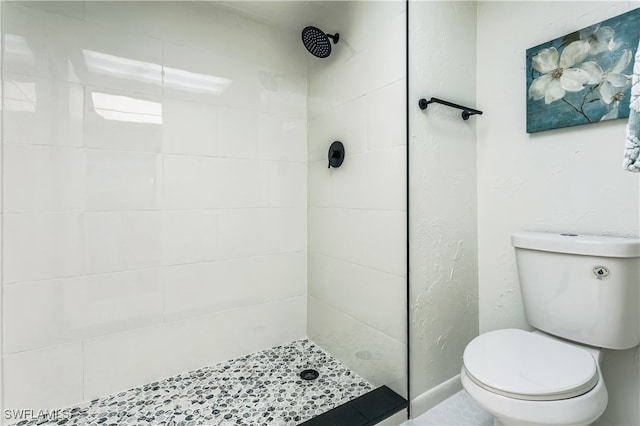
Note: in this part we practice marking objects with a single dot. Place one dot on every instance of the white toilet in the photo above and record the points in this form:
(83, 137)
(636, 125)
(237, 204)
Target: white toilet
(581, 293)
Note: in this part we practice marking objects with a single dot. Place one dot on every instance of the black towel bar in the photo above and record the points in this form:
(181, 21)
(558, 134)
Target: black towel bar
(466, 111)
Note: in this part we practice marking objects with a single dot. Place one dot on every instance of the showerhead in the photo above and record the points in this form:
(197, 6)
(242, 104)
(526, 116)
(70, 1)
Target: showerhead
(317, 42)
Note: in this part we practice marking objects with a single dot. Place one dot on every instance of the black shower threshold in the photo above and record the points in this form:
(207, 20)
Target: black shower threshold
(366, 410)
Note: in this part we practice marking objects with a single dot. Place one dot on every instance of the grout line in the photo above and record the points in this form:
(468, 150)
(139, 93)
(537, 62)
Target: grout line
(317, 253)
(151, 268)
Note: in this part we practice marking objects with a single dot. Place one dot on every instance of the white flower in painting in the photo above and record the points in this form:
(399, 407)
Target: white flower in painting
(611, 82)
(614, 83)
(558, 76)
(600, 39)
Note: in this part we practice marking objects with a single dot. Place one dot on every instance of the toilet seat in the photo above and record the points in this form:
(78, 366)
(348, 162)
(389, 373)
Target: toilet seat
(527, 366)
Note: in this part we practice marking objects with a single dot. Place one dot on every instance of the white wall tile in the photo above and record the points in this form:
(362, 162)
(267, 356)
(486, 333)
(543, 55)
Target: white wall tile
(26, 41)
(286, 94)
(104, 56)
(372, 238)
(364, 181)
(111, 365)
(189, 236)
(259, 44)
(40, 178)
(118, 241)
(66, 8)
(175, 148)
(119, 301)
(42, 246)
(287, 183)
(386, 245)
(248, 232)
(350, 20)
(344, 81)
(51, 312)
(346, 123)
(42, 111)
(189, 128)
(50, 44)
(386, 187)
(184, 182)
(245, 133)
(387, 61)
(237, 183)
(122, 120)
(239, 131)
(283, 138)
(122, 180)
(384, 128)
(163, 21)
(371, 296)
(203, 75)
(382, 13)
(207, 287)
(207, 182)
(44, 378)
(340, 233)
(370, 353)
(41, 313)
(257, 71)
(319, 178)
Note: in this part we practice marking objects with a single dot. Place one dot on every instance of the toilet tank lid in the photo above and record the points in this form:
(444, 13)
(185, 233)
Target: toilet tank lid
(589, 245)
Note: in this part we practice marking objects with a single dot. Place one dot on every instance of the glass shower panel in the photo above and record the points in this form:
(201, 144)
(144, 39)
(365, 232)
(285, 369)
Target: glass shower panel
(357, 258)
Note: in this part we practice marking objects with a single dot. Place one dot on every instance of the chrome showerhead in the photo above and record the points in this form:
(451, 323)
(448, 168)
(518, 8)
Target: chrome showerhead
(317, 42)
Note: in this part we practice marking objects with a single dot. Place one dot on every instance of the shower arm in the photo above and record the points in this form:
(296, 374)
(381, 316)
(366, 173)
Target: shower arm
(466, 111)
(334, 37)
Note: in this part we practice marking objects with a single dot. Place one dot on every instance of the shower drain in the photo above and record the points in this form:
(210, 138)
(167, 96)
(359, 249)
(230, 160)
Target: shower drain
(309, 374)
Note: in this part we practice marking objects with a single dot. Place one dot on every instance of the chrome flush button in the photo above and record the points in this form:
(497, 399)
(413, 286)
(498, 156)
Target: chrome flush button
(601, 272)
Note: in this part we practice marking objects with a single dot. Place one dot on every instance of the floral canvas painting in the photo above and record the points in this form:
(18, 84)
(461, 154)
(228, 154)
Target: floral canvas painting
(583, 77)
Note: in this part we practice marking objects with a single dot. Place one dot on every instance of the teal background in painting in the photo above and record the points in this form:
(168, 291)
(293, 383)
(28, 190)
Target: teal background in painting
(541, 116)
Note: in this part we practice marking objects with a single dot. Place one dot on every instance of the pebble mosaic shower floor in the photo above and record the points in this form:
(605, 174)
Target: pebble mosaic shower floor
(263, 388)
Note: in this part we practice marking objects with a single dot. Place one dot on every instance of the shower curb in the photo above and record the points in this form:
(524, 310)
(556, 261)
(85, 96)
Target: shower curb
(366, 410)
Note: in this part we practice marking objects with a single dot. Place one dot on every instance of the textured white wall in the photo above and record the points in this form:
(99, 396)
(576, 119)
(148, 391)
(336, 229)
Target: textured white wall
(138, 250)
(357, 213)
(567, 180)
(443, 277)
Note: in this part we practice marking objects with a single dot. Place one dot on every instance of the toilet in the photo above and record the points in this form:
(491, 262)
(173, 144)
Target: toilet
(581, 293)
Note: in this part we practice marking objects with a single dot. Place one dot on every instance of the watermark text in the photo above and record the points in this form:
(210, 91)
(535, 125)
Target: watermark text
(33, 414)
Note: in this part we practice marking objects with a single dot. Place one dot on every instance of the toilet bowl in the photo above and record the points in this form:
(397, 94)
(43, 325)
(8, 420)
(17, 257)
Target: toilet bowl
(529, 378)
(580, 293)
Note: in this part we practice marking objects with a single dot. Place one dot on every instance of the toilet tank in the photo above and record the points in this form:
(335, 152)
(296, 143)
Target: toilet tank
(583, 288)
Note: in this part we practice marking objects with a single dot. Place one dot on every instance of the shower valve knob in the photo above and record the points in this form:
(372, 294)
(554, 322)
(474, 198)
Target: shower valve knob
(336, 154)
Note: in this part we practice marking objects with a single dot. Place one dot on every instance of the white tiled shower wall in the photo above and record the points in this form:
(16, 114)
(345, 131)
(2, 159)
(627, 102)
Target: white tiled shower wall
(154, 197)
(357, 213)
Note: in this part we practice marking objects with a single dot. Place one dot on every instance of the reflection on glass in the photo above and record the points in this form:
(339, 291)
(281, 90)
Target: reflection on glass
(116, 66)
(16, 49)
(124, 108)
(20, 96)
(194, 82)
